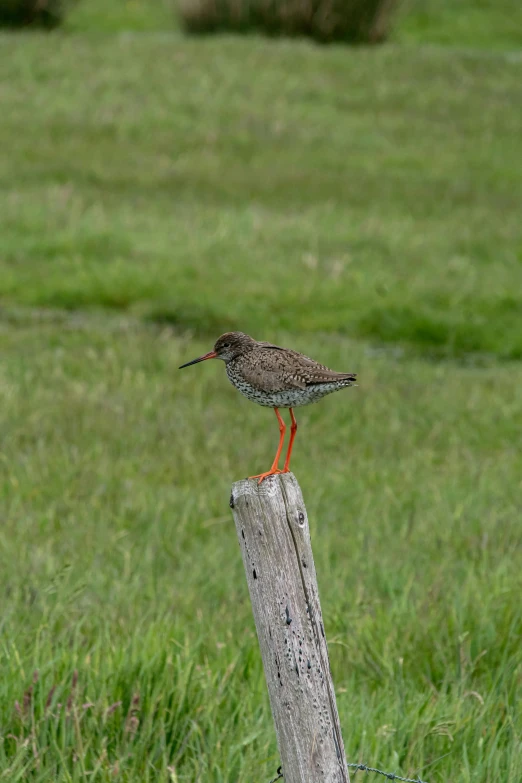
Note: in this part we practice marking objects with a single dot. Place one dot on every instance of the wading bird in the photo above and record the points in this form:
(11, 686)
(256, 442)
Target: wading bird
(276, 378)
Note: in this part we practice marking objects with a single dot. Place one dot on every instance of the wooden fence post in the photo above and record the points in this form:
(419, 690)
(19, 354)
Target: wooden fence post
(272, 528)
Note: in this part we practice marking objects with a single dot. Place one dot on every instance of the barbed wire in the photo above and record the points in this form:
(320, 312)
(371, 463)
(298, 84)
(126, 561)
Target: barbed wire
(389, 775)
(364, 768)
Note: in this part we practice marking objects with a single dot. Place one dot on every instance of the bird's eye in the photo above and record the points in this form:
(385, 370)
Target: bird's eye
(226, 345)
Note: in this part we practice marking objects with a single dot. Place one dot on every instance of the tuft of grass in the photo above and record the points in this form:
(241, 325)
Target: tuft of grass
(32, 13)
(356, 21)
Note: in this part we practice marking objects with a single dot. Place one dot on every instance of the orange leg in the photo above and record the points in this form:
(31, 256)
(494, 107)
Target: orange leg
(274, 469)
(293, 430)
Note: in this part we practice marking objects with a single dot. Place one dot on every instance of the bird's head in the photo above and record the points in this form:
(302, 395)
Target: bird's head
(229, 346)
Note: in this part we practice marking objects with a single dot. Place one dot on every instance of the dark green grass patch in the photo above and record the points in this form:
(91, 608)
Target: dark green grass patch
(25, 14)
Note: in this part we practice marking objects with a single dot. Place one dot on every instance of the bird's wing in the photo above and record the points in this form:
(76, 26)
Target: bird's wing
(280, 369)
(268, 372)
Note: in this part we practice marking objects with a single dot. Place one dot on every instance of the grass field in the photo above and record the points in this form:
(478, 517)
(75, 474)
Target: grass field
(480, 24)
(362, 206)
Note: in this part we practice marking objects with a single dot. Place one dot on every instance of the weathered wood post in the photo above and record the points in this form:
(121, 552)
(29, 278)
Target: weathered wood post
(272, 528)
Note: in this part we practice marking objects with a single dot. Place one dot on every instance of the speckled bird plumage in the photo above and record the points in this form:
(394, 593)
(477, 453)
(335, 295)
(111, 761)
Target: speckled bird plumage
(276, 378)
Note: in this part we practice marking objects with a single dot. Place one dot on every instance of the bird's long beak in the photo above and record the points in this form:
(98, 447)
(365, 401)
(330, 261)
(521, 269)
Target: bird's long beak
(210, 355)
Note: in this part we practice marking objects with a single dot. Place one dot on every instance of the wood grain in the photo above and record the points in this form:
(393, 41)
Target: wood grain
(273, 532)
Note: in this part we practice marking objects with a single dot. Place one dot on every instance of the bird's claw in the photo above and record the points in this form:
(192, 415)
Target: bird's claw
(263, 476)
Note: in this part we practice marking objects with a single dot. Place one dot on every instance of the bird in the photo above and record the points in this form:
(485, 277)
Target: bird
(276, 378)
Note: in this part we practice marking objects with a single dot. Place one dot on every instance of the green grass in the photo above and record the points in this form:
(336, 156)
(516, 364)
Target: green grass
(487, 24)
(119, 559)
(362, 206)
(347, 197)
(117, 15)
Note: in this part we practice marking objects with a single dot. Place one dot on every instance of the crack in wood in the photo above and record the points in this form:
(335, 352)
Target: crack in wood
(325, 666)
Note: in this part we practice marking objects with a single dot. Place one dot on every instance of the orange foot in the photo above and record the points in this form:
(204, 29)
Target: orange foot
(262, 476)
